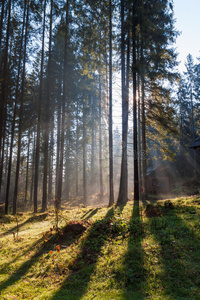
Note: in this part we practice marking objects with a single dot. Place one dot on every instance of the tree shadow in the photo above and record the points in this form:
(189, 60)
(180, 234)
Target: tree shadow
(37, 218)
(90, 214)
(7, 264)
(132, 276)
(45, 245)
(121, 207)
(84, 264)
(149, 200)
(144, 200)
(179, 255)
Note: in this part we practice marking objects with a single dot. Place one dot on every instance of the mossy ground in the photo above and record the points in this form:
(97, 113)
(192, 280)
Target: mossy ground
(103, 253)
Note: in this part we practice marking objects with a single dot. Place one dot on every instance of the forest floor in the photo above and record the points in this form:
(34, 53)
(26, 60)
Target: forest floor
(130, 252)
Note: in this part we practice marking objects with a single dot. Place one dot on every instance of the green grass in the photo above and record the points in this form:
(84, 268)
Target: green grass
(103, 253)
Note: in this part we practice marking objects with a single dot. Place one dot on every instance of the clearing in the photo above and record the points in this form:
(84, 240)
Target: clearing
(127, 252)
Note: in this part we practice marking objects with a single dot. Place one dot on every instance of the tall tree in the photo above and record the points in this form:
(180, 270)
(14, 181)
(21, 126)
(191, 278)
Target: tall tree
(47, 117)
(190, 86)
(4, 91)
(51, 155)
(37, 151)
(123, 189)
(85, 194)
(14, 113)
(27, 167)
(100, 142)
(111, 195)
(135, 132)
(1, 23)
(21, 112)
(144, 148)
(60, 172)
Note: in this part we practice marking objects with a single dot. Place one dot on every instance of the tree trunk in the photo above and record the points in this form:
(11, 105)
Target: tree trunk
(135, 144)
(27, 167)
(50, 184)
(143, 113)
(21, 115)
(47, 118)
(3, 102)
(61, 158)
(37, 151)
(144, 150)
(60, 172)
(67, 173)
(123, 189)
(14, 116)
(139, 128)
(58, 147)
(1, 25)
(32, 170)
(111, 190)
(84, 156)
(100, 145)
(77, 150)
(6, 170)
(92, 177)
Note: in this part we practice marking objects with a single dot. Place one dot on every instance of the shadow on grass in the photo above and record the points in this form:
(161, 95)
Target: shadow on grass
(89, 214)
(84, 264)
(180, 248)
(144, 201)
(121, 207)
(132, 277)
(6, 265)
(37, 218)
(150, 200)
(44, 246)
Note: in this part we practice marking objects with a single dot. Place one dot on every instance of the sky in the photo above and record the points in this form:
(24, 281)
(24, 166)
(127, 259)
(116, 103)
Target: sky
(187, 15)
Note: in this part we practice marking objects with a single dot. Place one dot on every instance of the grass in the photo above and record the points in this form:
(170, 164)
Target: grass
(103, 253)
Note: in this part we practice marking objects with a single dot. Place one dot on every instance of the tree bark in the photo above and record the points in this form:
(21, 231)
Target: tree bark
(84, 156)
(3, 102)
(92, 178)
(50, 184)
(77, 149)
(21, 114)
(67, 164)
(32, 169)
(14, 116)
(58, 147)
(60, 172)
(139, 125)
(61, 158)
(111, 190)
(1, 24)
(135, 144)
(100, 145)
(47, 118)
(123, 189)
(144, 149)
(37, 151)
(27, 167)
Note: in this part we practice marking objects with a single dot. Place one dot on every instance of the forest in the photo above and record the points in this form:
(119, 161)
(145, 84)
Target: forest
(99, 152)
(91, 100)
